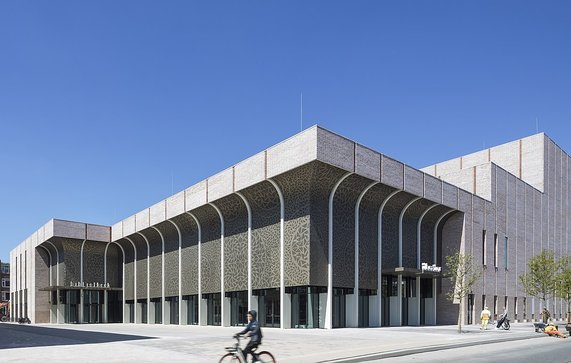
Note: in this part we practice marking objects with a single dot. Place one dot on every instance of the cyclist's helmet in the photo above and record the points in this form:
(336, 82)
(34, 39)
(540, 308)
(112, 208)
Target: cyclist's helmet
(253, 313)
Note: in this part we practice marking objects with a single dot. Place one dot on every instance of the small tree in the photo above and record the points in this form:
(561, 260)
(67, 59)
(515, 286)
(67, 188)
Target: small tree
(463, 274)
(564, 285)
(542, 279)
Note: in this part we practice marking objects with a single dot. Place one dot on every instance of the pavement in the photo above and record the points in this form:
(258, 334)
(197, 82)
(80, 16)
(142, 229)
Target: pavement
(158, 343)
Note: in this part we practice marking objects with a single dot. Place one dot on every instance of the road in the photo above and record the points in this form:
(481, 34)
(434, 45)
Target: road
(552, 350)
(139, 343)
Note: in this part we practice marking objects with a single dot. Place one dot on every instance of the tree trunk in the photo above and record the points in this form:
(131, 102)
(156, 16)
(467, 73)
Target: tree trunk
(460, 316)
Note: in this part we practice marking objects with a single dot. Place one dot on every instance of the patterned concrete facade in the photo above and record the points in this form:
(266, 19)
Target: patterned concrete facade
(316, 212)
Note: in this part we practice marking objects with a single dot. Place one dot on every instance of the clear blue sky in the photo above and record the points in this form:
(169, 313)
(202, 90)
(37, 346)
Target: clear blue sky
(107, 107)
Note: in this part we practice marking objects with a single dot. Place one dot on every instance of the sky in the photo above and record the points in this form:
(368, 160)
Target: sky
(109, 106)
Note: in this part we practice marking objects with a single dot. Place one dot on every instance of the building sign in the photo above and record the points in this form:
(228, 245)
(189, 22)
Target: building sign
(88, 284)
(431, 268)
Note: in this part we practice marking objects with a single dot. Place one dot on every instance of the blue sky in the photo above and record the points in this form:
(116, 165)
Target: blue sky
(107, 107)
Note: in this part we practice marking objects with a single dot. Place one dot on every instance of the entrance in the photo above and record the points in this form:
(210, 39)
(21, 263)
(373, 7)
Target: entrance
(389, 295)
(191, 309)
(339, 308)
(305, 306)
(408, 292)
(238, 307)
(425, 300)
(114, 307)
(92, 306)
(213, 309)
(70, 300)
(269, 305)
(364, 297)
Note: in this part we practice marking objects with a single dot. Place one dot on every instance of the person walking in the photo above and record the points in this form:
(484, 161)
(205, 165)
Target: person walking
(485, 317)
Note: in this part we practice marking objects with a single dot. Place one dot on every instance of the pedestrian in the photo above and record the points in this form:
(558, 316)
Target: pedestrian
(485, 317)
(552, 331)
(545, 315)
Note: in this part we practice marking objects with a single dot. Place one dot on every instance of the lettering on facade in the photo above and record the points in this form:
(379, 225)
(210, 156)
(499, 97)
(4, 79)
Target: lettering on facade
(431, 268)
(88, 284)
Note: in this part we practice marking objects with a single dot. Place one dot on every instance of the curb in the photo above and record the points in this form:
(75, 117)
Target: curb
(424, 349)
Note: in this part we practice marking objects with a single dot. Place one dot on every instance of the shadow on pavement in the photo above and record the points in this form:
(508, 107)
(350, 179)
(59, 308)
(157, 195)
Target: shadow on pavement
(26, 336)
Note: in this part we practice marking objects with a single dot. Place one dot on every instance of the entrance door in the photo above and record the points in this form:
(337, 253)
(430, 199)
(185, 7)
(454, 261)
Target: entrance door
(425, 295)
(238, 308)
(213, 309)
(364, 308)
(339, 308)
(269, 304)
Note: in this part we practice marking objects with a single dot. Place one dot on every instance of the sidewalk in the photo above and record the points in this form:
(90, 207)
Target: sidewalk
(153, 343)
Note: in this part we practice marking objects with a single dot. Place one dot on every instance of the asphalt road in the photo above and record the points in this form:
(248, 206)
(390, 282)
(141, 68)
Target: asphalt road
(548, 349)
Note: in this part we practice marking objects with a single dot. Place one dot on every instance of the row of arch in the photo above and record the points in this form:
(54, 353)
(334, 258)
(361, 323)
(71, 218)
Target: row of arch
(165, 242)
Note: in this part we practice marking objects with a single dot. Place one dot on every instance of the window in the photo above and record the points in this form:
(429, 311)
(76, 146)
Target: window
(495, 250)
(5, 283)
(484, 249)
(5, 268)
(506, 252)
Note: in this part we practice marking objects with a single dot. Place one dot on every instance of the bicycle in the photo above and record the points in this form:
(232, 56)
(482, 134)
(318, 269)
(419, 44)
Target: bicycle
(235, 355)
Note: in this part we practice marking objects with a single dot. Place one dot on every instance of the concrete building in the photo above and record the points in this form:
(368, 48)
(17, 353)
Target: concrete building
(4, 288)
(314, 232)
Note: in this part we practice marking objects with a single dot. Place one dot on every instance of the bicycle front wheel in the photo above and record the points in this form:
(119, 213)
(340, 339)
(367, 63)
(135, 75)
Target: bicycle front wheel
(266, 357)
(230, 358)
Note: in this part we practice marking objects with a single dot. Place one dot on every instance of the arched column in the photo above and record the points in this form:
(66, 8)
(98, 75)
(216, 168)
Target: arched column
(252, 303)
(380, 253)
(179, 270)
(329, 303)
(134, 279)
(284, 320)
(225, 318)
(201, 302)
(435, 261)
(50, 261)
(356, 288)
(419, 232)
(105, 301)
(58, 312)
(162, 273)
(148, 278)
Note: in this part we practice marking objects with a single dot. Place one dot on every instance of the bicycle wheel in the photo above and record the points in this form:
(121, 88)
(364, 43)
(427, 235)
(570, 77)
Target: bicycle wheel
(230, 358)
(266, 357)
(507, 325)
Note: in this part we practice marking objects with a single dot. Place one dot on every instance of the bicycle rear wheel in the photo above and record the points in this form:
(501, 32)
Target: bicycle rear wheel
(266, 357)
(230, 358)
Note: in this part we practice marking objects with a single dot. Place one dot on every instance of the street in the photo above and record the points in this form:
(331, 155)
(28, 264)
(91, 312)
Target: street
(552, 350)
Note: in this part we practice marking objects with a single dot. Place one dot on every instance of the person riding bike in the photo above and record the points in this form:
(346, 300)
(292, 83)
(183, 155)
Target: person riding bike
(253, 331)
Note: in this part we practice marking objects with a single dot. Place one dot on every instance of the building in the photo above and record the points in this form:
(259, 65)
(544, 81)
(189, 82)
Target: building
(314, 232)
(4, 288)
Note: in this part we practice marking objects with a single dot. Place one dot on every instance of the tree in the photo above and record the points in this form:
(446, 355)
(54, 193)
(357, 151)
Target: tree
(564, 285)
(463, 274)
(542, 279)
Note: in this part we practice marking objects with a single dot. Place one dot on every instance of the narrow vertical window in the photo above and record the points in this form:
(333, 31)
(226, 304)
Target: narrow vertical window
(495, 250)
(484, 249)
(506, 252)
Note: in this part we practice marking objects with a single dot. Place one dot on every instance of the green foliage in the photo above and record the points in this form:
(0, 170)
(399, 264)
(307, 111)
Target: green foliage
(542, 278)
(564, 284)
(463, 274)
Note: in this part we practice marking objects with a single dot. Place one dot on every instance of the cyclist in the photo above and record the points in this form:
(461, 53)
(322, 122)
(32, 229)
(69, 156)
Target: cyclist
(253, 331)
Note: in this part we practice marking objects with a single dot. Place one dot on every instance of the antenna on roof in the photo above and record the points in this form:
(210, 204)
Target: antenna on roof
(301, 112)
(536, 125)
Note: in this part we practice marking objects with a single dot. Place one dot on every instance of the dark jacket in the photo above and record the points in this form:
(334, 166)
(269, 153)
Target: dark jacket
(254, 329)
